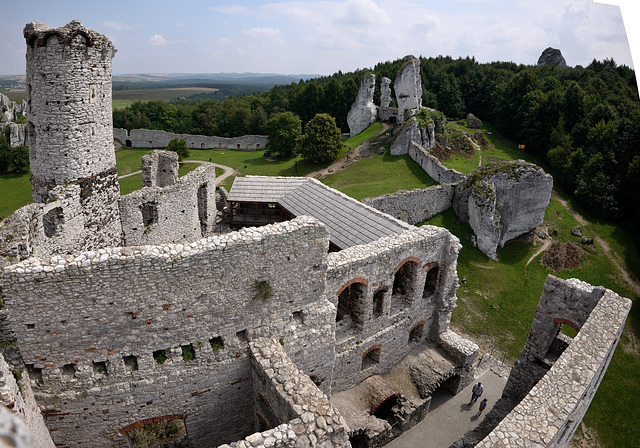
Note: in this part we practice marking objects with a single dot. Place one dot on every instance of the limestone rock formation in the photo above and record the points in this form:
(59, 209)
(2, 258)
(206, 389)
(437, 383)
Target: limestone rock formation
(408, 87)
(363, 112)
(473, 122)
(552, 56)
(502, 201)
(421, 127)
(385, 92)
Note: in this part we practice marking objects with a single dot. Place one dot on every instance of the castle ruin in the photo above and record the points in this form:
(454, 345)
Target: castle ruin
(130, 310)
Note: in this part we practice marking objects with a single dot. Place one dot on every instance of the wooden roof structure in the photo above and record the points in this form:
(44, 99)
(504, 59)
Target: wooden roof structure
(349, 222)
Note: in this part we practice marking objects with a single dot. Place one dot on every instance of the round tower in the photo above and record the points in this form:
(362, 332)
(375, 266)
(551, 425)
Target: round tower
(70, 128)
(69, 107)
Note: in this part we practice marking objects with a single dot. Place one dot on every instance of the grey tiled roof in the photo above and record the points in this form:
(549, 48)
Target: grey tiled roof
(349, 222)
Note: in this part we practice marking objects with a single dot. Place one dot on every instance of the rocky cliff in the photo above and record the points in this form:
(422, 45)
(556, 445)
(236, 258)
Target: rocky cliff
(502, 201)
(363, 112)
(552, 56)
(408, 87)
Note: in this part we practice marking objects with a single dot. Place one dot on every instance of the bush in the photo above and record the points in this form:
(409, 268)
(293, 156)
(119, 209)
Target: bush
(180, 146)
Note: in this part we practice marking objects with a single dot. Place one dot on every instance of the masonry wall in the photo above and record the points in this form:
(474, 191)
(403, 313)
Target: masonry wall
(555, 406)
(372, 268)
(184, 211)
(304, 415)
(414, 206)
(69, 124)
(31, 429)
(147, 138)
(432, 166)
(79, 319)
(62, 225)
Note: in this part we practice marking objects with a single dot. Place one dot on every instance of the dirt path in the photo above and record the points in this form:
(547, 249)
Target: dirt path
(544, 247)
(358, 153)
(611, 255)
(228, 171)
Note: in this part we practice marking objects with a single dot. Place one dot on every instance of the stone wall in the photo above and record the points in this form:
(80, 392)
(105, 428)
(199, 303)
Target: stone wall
(90, 345)
(159, 168)
(432, 166)
(394, 284)
(302, 413)
(414, 206)
(62, 225)
(147, 138)
(551, 412)
(26, 424)
(70, 124)
(184, 211)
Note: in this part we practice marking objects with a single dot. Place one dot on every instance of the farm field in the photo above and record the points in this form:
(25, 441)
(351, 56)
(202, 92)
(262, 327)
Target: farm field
(15, 94)
(124, 98)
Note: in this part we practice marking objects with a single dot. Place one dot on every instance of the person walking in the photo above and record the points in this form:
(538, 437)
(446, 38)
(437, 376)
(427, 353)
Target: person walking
(476, 392)
(483, 405)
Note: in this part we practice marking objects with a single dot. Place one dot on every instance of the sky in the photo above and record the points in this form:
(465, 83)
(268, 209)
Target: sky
(322, 37)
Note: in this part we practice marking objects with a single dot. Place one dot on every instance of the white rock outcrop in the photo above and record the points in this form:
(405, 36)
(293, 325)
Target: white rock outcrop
(363, 112)
(502, 201)
(385, 92)
(408, 87)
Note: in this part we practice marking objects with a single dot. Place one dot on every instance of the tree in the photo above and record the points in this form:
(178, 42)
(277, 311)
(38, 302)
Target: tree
(180, 146)
(13, 160)
(283, 130)
(321, 141)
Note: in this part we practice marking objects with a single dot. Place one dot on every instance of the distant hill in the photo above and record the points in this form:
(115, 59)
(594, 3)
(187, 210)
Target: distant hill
(256, 81)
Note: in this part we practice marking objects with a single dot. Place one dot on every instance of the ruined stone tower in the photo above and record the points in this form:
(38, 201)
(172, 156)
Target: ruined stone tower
(70, 127)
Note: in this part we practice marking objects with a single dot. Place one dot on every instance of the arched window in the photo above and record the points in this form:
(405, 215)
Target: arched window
(431, 282)
(378, 302)
(415, 334)
(158, 431)
(351, 303)
(404, 281)
(371, 357)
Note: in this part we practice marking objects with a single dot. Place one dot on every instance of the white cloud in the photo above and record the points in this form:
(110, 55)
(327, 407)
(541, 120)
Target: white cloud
(118, 26)
(235, 10)
(263, 33)
(223, 41)
(157, 40)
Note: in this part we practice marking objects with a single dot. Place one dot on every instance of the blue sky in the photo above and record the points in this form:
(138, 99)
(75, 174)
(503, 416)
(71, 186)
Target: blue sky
(296, 37)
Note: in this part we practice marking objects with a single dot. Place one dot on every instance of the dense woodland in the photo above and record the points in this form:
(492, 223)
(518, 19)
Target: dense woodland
(582, 123)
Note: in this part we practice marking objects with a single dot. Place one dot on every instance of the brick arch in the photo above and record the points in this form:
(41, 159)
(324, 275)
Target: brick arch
(146, 421)
(560, 320)
(87, 39)
(351, 282)
(370, 349)
(406, 260)
(417, 324)
(48, 35)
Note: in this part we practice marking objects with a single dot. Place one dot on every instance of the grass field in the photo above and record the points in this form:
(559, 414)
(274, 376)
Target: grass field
(377, 175)
(499, 149)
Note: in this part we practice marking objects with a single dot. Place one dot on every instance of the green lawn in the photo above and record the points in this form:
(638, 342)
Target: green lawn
(379, 174)
(15, 192)
(499, 148)
(133, 183)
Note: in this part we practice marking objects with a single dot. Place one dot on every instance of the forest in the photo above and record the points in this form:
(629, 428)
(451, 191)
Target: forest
(581, 123)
